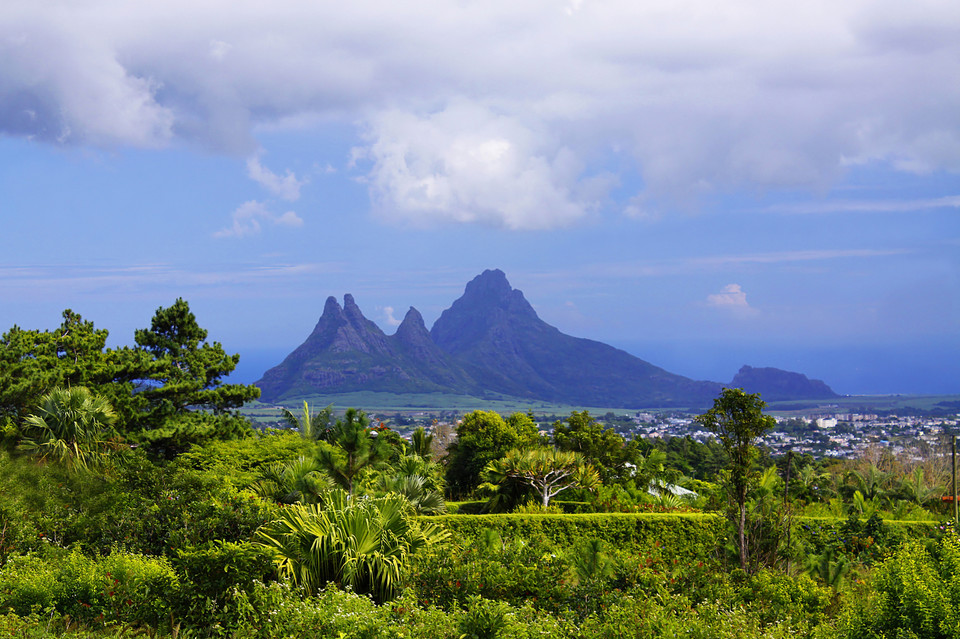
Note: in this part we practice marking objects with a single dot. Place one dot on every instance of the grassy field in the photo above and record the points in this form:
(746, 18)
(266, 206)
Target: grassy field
(373, 402)
(424, 403)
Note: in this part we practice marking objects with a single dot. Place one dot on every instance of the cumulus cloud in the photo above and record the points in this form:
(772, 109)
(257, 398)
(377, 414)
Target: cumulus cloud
(731, 297)
(389, 318)
(468, 163)
(250, 217)
(495, 112)
(286, 187)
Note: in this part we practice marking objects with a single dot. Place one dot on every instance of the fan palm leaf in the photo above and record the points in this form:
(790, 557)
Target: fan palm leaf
(361, 543)
(70, 427)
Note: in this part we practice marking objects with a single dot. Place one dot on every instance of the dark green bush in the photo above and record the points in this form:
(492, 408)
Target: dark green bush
(862, 540)
(212, 577)
(515, 571)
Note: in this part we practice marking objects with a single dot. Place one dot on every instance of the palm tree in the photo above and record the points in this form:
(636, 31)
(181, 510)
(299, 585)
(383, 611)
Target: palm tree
(416, 490)
(353, 448)
(811, 484)
(829, 567)
(300, 481)
(590, 562)
(70, 427)
(915, 487)
(312, 426)
(870, 482)
(361, 543)
(421, 443)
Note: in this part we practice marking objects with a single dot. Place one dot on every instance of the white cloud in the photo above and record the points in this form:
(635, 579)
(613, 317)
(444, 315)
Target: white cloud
(468, 163)
(731, 297)
(219, 49)
(493, 112)
(250, 216)
(389, 318)
(286, 187)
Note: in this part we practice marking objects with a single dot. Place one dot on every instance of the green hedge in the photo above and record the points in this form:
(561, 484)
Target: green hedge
(686, 535)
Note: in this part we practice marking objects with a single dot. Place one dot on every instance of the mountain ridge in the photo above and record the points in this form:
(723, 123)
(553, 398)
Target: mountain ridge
(490, 340)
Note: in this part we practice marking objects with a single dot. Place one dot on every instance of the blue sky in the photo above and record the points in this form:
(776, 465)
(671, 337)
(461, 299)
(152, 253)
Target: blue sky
(705, 185)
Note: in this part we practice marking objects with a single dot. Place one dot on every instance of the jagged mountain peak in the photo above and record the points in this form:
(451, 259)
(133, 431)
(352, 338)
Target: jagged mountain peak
(489, 305)
(492, 282)
(412, 327)
(492, 289)
(331, 306)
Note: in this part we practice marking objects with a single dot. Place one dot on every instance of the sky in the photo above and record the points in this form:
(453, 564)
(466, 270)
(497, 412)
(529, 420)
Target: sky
(703, 184)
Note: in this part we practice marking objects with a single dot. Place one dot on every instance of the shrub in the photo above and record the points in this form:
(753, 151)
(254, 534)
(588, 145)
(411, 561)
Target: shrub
(211, 578)
(483, 618)
(122, 587)
(515, 571)
(357, 542)
(915, 595)
(776, 596)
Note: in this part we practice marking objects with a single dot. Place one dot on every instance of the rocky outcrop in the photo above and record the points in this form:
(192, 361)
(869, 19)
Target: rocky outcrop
(774, 384)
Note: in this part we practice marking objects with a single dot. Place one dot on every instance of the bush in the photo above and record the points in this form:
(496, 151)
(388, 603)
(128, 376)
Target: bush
(915, 595)
(776, 596)
(213, 576)
(515, 571)
(120, 588)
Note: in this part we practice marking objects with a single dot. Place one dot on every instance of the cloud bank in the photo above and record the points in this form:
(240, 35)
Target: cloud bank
(504, 113)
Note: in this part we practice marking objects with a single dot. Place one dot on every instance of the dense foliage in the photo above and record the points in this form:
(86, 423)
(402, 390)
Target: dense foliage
(133, 500)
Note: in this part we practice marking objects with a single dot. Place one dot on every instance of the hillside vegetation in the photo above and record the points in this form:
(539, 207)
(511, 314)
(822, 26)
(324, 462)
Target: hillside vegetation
(134, 500)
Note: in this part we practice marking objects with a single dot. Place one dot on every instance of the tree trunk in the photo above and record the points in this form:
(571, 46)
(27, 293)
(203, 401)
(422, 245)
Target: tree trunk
(741, 535)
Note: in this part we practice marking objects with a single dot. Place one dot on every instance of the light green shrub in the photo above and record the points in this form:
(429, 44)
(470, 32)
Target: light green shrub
(119, 588)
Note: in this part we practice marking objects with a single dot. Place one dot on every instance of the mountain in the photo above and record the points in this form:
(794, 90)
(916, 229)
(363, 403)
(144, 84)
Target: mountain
(347, 352)
(491, 340)
(775, 384)
(499, 339)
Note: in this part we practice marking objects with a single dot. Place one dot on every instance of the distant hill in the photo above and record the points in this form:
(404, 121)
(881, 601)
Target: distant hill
(776, 385)
(489, 341)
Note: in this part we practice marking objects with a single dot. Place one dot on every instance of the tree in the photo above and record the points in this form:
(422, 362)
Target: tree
(914, 488)
(417, 491)
(353, 448)
(33, 363)
(870, 483)
(483, 436)
(300, 481)
(188, 370)
(600, 446)
(547, 470)
(70, 427)
(738, 421)
(421, 443)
